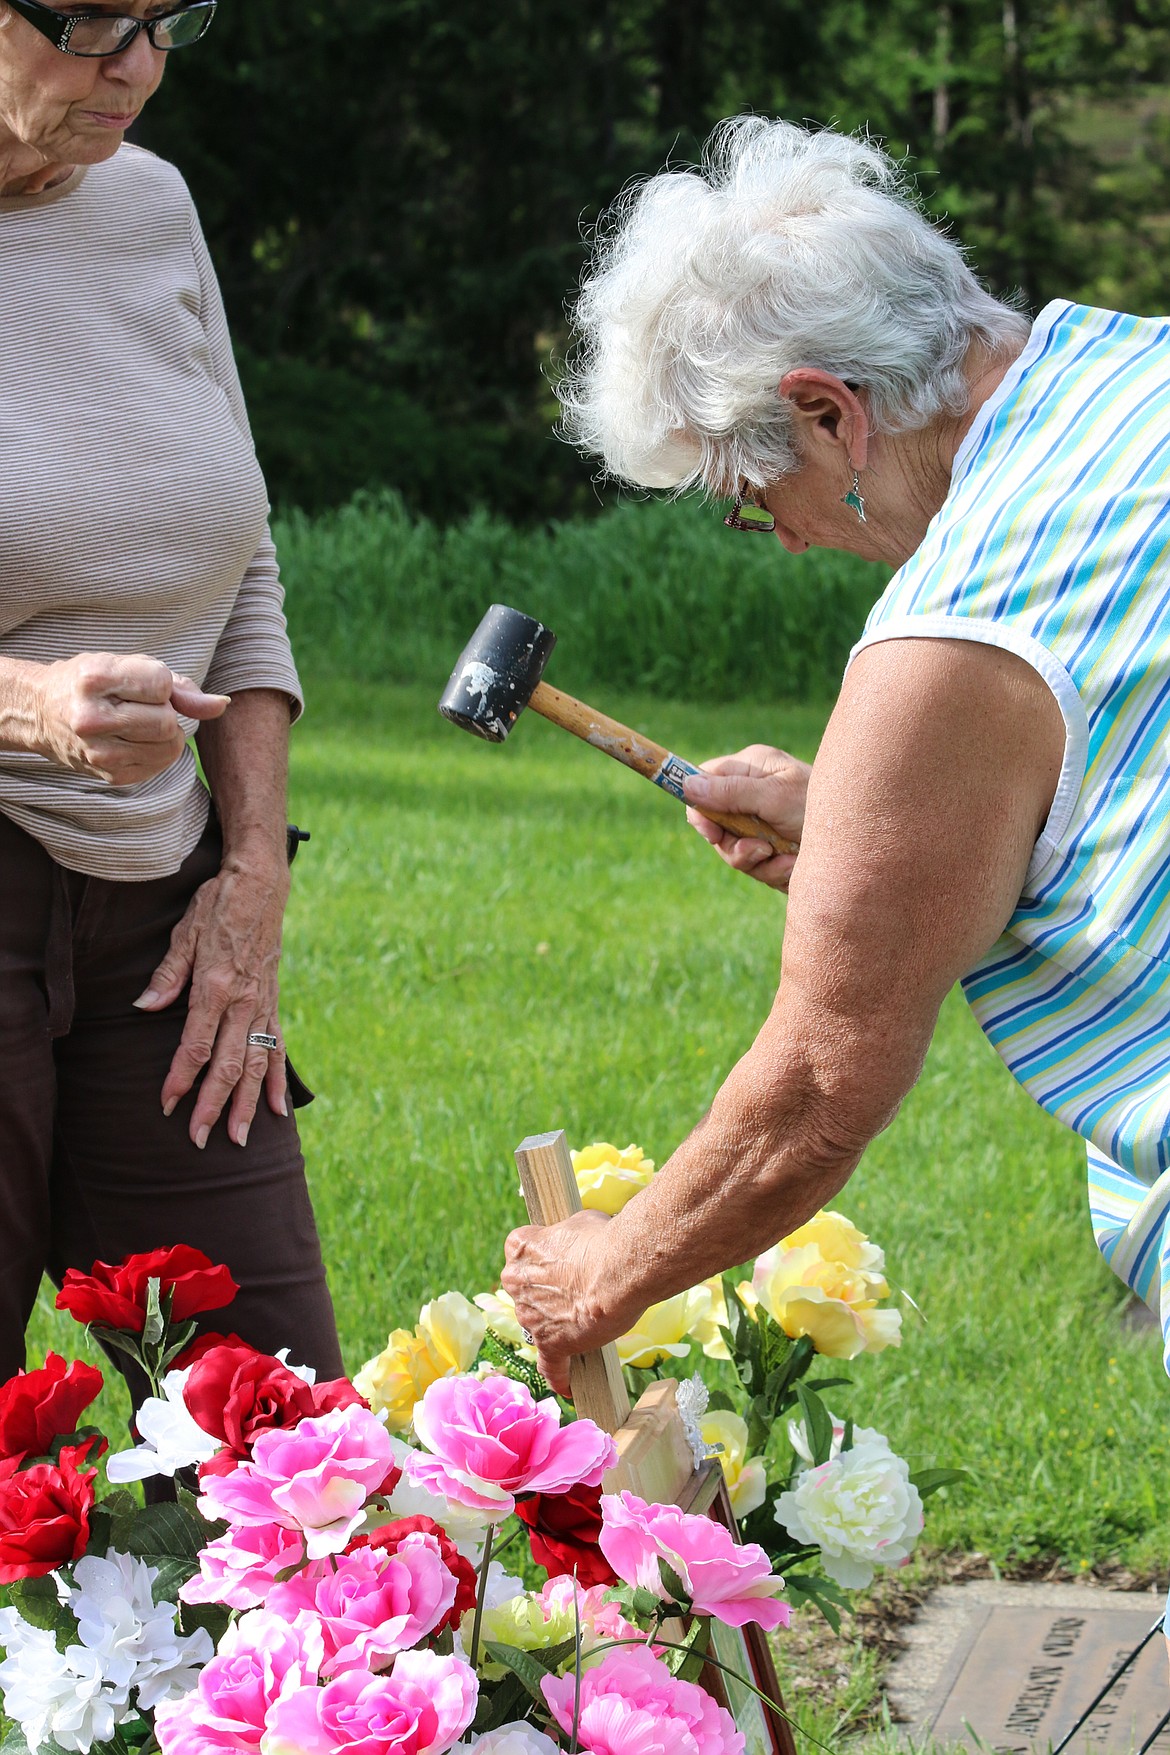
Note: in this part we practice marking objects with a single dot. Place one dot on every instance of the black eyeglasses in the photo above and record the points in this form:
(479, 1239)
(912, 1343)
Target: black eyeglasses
(109, 33)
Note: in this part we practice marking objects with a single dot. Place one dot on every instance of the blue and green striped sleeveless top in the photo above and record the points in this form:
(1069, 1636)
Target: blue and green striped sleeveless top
(1054, 543)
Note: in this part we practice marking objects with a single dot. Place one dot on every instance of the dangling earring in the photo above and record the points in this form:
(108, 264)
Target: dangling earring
(854, 498)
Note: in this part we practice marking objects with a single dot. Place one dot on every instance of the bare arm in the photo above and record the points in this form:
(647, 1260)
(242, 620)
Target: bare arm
(106, 714)
(932, 783)
(227, 946)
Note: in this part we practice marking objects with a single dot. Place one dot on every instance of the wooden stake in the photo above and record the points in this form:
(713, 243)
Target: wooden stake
(550, 1193)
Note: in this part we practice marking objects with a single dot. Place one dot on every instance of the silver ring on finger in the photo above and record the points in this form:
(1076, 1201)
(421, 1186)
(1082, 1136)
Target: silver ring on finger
(263, 1039)
(526, 1336)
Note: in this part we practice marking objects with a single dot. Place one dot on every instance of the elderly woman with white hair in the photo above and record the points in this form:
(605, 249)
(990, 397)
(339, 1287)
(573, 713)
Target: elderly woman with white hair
(144, 1099)
(989, 801)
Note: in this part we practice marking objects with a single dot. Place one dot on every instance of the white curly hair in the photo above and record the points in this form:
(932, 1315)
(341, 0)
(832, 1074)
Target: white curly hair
(788, 247)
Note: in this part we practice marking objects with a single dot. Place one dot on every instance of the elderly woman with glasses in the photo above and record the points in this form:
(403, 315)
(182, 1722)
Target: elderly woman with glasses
(144, 1096)
(989, 802)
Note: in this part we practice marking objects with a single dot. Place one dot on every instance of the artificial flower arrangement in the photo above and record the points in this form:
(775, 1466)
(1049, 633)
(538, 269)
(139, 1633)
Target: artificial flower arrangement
(847, 1504)
(330, 1572)
(318, 1583)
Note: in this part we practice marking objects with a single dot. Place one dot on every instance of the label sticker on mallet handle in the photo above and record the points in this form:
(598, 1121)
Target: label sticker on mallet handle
(672, 774)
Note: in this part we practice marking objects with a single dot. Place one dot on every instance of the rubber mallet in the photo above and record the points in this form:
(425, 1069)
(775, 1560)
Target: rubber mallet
(500, 672)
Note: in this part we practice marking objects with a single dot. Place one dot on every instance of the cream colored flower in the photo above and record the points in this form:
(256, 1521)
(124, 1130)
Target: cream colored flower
(838, 1239)
(607, 1178)
(445, 1342)
(662, 1331)
(454, 1331)
(706, 1328)
(746, 1479)
(500, 1312)
(860, 1509)
(835, 1305)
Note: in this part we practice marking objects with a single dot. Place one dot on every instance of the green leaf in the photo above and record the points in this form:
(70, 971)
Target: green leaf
(180, 1338)
(118, 1338)
(929, 1481)
(759, 1423)
(776, 1348)
(818, 1424)
(720, 1401)
(214, 1618)
(847, 1435)
(156, 1323)
(822, 1593)
(673, 1585)
(37, 1602)
(687, 1662)
(12, 1739)
(505, 1357)
(121, 1502)
(172, 1572)
(497, 1706)
(530, 1667)
(644, 1602)
(169, 1530)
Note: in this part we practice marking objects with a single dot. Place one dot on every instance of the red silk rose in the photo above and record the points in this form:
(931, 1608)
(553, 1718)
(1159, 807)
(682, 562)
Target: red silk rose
(203, 1344)
(40, 1405)
(562, 1531)
(116, 1296)
(44, 1514)
(234, 1392)
(390, 1536)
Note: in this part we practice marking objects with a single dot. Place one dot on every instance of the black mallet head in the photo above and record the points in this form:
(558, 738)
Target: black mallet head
(496, 672)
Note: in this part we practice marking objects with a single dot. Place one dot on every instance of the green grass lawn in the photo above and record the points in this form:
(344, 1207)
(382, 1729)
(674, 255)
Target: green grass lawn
(485, 943)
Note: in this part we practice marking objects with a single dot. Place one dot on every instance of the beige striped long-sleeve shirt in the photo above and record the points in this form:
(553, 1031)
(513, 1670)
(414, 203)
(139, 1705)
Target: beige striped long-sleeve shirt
(132, 508)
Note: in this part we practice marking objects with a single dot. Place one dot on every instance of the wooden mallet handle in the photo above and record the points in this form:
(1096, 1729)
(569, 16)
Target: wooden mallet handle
(642, 754)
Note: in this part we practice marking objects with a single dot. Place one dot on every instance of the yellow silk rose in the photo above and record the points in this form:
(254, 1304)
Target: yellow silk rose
(607, 1178)
(747, 1480)
(500, 1313)
(825, 1281)
(663, 1331)
(445, 1342)
(838, 1239)
(707, 1325)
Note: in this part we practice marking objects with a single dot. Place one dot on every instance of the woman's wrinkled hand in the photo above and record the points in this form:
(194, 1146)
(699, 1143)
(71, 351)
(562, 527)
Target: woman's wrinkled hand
(227, 946)
(555, 1276)
(116, 717)
(758, 781)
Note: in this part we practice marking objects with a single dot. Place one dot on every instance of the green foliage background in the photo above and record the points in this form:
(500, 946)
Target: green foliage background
(658, 597)
(394, 189)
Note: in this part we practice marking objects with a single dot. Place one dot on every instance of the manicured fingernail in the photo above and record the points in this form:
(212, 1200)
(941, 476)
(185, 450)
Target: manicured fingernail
(170, 1105)
(147, 999)
(242, 1134)
(201, 1137)
(283, 1108)
(696, 786)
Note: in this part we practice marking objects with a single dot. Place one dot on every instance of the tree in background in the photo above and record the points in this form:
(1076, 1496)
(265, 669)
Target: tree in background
(394, 190)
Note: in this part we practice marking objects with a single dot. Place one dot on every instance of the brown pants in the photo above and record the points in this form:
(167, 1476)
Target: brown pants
(90, 1170)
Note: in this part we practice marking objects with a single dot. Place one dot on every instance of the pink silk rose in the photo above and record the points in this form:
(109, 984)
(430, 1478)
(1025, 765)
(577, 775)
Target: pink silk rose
(632, 1705)
(490, 1440)
(420, 1708)
(374, 1605)
(239, 1569)
(314, 1478)
(733, 1582)
(600, 1620)
(260, 1658)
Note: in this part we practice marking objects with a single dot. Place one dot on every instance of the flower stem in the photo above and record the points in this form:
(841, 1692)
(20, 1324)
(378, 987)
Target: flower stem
(481, 1594)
